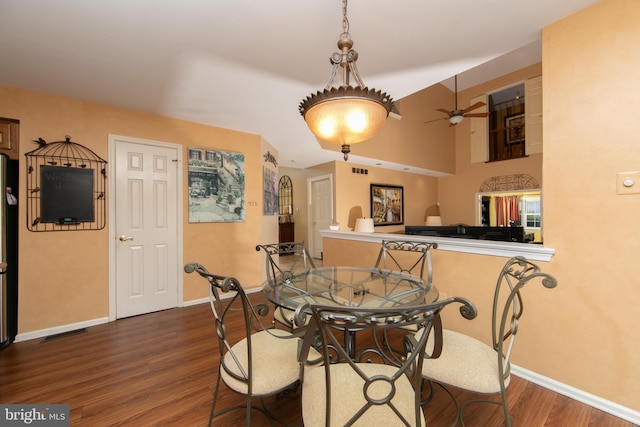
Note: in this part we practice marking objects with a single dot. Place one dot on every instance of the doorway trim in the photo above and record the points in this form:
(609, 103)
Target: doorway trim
(113, 140)
(310, 226)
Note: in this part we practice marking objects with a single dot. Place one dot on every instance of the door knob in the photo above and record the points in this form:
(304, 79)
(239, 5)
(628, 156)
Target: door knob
(124, 238)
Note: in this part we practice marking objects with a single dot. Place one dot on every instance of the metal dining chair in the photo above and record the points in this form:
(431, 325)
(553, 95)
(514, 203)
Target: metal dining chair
(372, 387)
(472, 365)
(283, 261)
(260, 361)
(407, 257)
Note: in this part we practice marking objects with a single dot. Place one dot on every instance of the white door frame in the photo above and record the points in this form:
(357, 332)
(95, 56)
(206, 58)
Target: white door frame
(113, 140)
(310, 226)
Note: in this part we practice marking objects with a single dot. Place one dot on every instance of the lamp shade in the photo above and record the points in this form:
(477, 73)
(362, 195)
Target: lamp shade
(434, 221)
(364, 225)
(345, 116)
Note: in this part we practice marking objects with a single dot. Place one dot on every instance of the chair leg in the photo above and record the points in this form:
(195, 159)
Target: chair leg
(458, 418)
(213, 402)
(505, 407)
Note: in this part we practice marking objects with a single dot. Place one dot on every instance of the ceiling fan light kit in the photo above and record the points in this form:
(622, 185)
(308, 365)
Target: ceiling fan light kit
(346, 115)
(456, 116)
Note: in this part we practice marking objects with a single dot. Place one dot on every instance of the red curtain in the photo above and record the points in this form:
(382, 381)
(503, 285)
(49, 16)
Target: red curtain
(507, 209)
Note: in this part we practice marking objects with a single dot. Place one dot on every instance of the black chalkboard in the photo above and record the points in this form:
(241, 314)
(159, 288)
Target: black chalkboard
(66, 195)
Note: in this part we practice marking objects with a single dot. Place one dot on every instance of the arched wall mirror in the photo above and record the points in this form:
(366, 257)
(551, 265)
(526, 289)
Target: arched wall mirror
(285, 196)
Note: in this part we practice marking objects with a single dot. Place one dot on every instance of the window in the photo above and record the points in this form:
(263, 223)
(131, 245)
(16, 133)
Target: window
(530, 212)
(509, 132)
(507, 124)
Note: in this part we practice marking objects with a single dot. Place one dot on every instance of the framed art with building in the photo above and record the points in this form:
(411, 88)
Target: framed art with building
(216, 186)
(387, 204)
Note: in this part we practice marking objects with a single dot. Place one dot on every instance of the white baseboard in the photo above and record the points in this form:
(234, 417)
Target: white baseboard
(579, 395)
(60, 329)
(222, 296)
(196, 302)
(86, 324)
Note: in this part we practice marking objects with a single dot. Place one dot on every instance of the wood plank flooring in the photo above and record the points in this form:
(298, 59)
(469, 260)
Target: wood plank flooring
(158, 370)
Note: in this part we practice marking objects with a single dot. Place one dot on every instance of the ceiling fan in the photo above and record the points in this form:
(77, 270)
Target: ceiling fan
(456, 116)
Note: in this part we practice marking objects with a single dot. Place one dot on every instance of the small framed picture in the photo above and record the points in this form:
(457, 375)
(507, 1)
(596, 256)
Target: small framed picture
(387, 204)
(514, 126)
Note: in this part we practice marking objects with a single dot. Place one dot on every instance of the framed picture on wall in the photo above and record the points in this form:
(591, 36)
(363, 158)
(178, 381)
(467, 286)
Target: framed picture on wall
(270, 186)
(216, 186)
(514, 126)
(387, 204)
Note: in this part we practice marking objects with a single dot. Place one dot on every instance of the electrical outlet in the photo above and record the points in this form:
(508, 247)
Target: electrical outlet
(628, 182)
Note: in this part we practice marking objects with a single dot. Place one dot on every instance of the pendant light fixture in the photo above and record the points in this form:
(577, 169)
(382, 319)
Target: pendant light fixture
(345, 114)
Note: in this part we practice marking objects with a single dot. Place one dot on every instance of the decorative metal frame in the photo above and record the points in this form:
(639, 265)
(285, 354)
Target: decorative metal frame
(64, 154)
(509, 182)
(268, 157)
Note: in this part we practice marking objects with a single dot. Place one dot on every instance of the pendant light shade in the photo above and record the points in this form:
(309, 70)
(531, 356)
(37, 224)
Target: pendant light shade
(346, 115)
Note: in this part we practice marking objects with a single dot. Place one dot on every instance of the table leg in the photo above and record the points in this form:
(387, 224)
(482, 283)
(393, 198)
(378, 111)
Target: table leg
(350, 342)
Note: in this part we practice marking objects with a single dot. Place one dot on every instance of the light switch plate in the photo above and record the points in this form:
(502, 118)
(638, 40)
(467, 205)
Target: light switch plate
(628, 182)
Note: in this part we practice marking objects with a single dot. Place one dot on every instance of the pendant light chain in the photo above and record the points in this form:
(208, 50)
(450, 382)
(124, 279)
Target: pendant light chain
(345, 114)
(345, 21)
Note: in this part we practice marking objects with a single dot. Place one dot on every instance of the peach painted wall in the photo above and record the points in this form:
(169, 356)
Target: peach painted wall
(457, 193)
(63, 276)
(591, 100)
(583, 333)
(353, 191)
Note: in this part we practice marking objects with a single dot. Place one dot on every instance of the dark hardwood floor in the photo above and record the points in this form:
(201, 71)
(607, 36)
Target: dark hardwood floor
(158, 370)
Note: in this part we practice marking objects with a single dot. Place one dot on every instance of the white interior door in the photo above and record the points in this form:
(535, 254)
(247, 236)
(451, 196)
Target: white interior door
(146, 226)
(321, 208)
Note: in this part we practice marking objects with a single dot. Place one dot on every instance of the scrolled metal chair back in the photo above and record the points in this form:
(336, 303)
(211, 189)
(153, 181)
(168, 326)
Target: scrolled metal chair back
(508, 305)
(297, 259)
(396, 255)
(374, 322)
(239, 301)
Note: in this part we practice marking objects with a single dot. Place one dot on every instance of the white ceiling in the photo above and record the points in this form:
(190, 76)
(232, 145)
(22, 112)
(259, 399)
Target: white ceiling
(247, 64)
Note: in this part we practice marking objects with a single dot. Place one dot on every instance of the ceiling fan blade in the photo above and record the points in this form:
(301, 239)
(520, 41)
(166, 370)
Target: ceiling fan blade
(474, 106)
(442, 110)
(437, 120)
(477, 114)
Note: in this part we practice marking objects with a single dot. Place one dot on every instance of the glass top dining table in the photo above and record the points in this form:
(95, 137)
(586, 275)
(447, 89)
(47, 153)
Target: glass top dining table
(354, 287)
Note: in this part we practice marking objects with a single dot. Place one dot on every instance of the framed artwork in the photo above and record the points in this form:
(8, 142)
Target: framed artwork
(514, 126)
(216, 186)
(387, 204)
(270, 186)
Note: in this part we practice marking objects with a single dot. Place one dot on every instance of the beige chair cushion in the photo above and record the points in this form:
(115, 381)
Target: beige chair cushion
(347, 397)
(275, 363)
(465, 362)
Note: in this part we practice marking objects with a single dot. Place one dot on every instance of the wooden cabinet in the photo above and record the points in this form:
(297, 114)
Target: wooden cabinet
(287, 233)
(9, 138)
